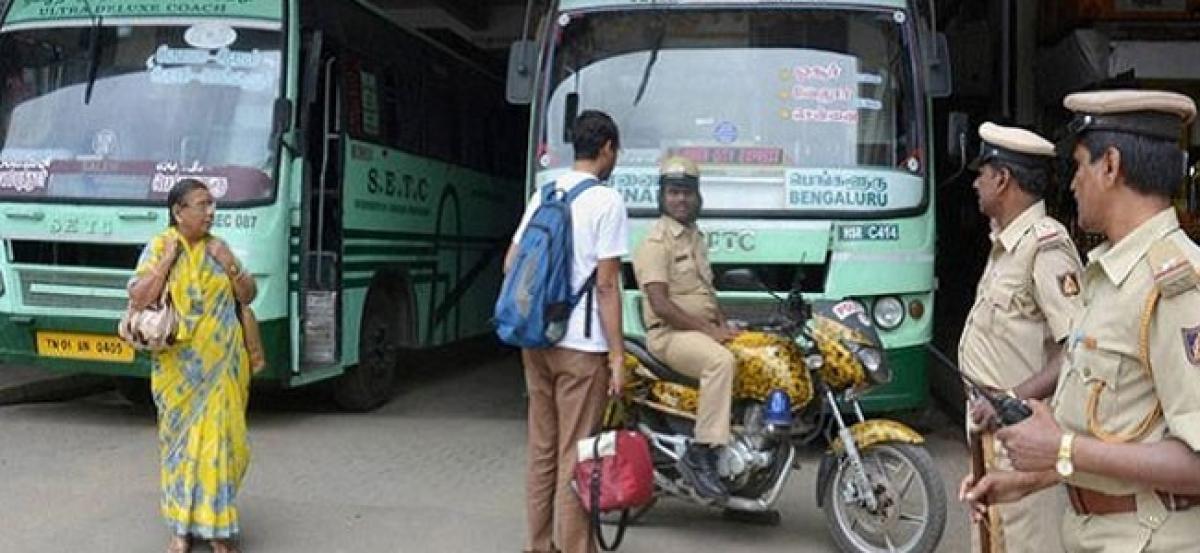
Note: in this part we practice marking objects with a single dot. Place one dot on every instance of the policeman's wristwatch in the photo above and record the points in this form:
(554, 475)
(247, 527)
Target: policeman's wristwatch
(1064, 467)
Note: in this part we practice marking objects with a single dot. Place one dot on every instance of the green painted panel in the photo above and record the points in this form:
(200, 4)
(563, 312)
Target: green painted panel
(31, 11)
(909, 388)
(446, 225)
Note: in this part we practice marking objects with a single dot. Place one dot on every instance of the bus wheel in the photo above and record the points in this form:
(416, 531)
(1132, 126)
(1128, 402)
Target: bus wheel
(369, 384)
(135, 390)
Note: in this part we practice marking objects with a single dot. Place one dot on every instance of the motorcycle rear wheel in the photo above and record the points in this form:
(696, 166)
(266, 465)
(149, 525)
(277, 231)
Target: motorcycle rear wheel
(912, 515)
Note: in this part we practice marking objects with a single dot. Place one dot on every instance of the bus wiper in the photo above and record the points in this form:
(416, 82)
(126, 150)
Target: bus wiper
(93, 58)
(658, 40)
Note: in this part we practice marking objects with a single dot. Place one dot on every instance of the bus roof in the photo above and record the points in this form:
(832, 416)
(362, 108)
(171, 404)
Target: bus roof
(568, 5)
(41, 11)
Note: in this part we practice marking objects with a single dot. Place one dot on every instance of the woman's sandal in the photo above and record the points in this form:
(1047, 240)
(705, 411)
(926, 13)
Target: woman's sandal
(179, 544)
(224, 546)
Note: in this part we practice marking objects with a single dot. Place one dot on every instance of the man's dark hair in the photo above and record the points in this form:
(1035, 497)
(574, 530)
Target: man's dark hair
(1152, 166)
(1033, 180)
(178, 193)
(592, 129)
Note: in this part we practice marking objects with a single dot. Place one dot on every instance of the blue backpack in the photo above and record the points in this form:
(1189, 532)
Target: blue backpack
(536, 299)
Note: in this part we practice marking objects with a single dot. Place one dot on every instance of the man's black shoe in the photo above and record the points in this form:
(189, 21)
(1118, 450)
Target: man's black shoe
(699, 466)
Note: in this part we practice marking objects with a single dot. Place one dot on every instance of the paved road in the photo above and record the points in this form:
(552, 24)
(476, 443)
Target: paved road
(437, 470)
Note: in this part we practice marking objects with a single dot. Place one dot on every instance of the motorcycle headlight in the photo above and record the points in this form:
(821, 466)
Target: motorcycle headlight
(888, 312)
(872, 362)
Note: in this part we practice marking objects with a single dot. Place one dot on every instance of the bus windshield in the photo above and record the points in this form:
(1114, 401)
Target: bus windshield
(119, 113)
(788, 111)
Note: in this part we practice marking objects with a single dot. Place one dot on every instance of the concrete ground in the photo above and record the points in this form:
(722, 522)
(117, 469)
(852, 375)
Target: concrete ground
(439, 469)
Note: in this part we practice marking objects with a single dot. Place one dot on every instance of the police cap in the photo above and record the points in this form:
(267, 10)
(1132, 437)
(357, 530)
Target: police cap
(1152, 113)
(679, 171)
(1011, 145)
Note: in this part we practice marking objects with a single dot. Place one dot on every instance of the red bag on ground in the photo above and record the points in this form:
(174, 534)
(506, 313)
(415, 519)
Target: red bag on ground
(624, 476)
(613, 472)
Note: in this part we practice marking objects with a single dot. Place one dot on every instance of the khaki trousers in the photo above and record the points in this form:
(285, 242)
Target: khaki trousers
(567, 394)
(698, 356)
(1030, 525)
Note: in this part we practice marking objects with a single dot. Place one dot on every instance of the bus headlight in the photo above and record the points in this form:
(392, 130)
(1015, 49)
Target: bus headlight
(888, 312)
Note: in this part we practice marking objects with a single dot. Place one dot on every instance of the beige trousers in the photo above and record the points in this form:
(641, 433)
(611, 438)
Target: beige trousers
(567, 394)
(700, 357)
(1030, 525)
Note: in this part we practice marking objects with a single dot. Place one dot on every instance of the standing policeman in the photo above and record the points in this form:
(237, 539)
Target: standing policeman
(1022, 313)
(684, 325)
(1125, 431)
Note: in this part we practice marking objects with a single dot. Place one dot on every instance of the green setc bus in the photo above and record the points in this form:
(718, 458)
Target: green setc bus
(366, 175)
(809, 121)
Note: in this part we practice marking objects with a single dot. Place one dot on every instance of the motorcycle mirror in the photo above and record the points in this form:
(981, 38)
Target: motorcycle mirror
(741, 280)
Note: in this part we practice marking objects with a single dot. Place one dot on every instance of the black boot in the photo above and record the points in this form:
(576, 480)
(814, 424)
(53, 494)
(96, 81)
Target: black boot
(699, 466)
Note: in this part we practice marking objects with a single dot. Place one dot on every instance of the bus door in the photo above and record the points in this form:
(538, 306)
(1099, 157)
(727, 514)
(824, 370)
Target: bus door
(321, 224)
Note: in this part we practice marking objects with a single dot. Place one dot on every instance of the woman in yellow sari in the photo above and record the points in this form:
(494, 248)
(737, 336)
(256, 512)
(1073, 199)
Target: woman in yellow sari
(201, 383)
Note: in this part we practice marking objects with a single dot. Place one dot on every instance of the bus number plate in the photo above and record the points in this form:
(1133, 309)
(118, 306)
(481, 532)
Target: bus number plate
(869, 233)
(90, 347)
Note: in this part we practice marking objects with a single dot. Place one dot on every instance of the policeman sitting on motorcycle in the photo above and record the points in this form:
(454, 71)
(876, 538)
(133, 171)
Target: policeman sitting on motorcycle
(684, 325)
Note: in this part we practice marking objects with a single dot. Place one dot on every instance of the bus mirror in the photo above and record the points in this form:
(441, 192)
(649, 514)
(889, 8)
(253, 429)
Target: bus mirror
(281, 117)
(281, 120)
(522, 57)
(941, 82)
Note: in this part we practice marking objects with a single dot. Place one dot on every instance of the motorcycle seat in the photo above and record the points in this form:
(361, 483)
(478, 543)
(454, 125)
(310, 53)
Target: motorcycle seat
(637, 348)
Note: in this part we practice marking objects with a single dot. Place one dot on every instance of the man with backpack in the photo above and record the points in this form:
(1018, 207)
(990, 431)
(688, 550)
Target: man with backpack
(560, 303)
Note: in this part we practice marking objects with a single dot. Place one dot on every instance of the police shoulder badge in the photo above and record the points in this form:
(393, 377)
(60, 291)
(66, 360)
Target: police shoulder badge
(1068, 284)
(1191, 344)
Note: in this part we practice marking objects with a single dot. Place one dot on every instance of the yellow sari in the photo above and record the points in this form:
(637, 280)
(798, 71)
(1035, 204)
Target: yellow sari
(200, 386)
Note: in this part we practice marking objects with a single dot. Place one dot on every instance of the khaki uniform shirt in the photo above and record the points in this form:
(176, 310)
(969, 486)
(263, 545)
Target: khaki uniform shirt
(677, 256)
(1103, 349)
(1025, 301)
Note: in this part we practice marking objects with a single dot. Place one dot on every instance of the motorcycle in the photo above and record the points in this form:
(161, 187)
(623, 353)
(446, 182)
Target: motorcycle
(797, 374)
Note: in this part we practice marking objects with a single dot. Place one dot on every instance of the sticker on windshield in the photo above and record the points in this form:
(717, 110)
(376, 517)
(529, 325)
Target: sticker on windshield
(24, 177)
(210, 36)
(725, 132)
(104, 144)
(822, 89)
(252, 70)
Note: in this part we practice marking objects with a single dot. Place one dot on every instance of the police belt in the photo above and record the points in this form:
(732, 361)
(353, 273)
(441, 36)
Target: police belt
(1091, 502)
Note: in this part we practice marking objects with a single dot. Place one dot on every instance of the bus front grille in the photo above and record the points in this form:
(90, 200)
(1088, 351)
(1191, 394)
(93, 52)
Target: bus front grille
(73, 290)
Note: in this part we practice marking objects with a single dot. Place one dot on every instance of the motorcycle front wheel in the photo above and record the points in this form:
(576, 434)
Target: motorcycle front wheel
(910, 511)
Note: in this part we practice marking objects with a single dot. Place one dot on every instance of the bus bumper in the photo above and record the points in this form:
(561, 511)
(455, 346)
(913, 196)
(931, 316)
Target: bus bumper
(18, 346)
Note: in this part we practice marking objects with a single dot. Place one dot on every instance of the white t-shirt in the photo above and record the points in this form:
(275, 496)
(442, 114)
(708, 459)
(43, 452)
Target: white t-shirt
(600, 230)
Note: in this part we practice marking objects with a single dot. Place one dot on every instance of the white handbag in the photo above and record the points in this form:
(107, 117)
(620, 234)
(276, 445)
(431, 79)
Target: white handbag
(152, 328)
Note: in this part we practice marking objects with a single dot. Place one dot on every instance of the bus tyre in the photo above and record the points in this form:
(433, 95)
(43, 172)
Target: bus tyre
(135, 390)
(369, 384)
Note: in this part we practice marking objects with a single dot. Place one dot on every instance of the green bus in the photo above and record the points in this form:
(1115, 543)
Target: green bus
(366, 175)
(809, 121)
